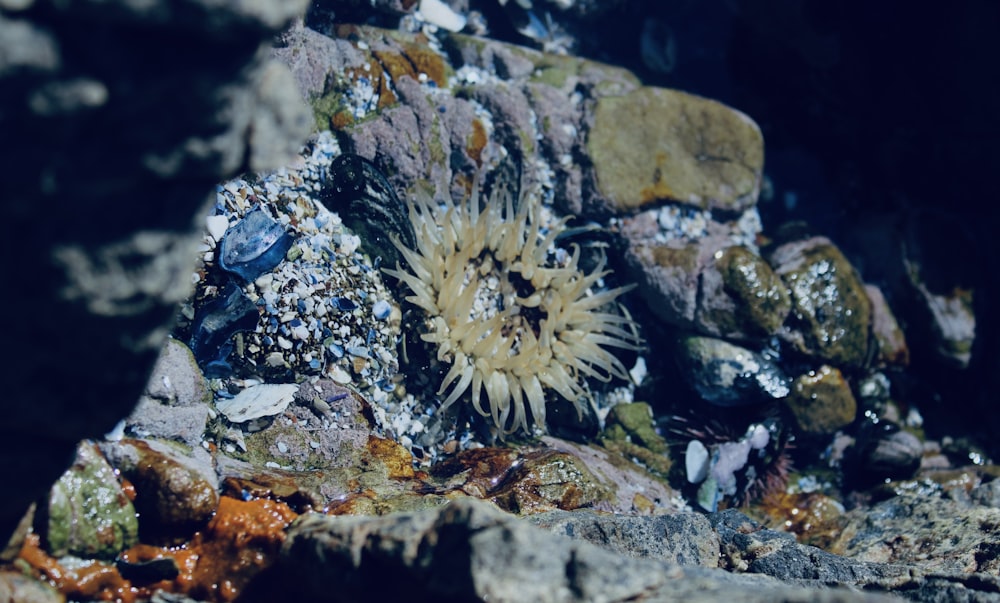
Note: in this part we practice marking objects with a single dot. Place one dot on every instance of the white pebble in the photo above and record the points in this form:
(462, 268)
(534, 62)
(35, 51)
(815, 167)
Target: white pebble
(217, 226)
(282, 447)
(381, 309)
(438, 13)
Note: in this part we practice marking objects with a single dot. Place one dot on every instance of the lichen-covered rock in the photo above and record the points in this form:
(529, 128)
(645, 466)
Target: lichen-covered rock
(831, 312)
(87, 513)
(929, 532)
(656, 145)
(634, 422)
(821, 401)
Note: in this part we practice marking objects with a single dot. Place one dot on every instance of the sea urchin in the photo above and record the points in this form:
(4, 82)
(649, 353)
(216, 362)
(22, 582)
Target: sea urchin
(508, 317)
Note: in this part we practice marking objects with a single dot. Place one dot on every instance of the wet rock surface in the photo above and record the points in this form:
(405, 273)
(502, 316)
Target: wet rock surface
(292, 427)
(470, 551)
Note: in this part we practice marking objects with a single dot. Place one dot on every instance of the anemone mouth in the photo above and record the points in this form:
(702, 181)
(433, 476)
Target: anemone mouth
(512, 321)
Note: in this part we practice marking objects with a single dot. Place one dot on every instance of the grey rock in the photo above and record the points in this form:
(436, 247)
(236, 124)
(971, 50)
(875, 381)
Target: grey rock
(987, 494)
(18, 588)
(883, 450)
(468, 550)
(748, 547)
(726, 374)
(175, 404)
(112, 146)
(892, 348)
(928, 532)
(681, 538)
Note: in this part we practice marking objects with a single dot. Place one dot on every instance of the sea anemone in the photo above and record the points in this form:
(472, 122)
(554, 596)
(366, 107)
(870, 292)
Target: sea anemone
(511, 319)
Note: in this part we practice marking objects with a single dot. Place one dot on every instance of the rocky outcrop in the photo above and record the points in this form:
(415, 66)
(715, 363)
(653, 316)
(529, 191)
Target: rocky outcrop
(118, 121)
(468, 551)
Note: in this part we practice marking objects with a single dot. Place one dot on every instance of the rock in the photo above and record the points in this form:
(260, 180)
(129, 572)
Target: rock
(926, 532)
(323, 453)
(636, 423)
(18, 588)
(937, 266)
(701, 274)
(372, 96)
(655, 145)
(987, 494)
(24, 527)
(630, 432)
(87, 513)
(634, 490)
(882, 450)
(175, 404)
(469, 551)
(760, 297)
(831, 312)
(115, 241)
(822, 401)
(725, 374)
(176, 493)
(524, 482)
(889, 336)
(748, 547)
(681, 538)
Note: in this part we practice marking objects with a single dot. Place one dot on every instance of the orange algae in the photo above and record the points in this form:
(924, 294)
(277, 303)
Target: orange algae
(94, 580)
(242, 539)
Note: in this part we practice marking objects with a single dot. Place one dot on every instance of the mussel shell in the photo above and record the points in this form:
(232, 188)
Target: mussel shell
(368, 205)
(254, 245)
(214, 325)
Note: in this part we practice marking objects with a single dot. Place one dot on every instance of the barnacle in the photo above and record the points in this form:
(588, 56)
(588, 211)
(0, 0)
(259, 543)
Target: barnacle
(511, 320)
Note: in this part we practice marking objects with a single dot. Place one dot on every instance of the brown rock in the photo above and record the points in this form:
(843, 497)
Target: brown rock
(654, 145)
(822, 401)
(831, 312)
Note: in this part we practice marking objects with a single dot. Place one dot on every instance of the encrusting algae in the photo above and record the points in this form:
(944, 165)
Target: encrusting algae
(242, 539)
(511, 319)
